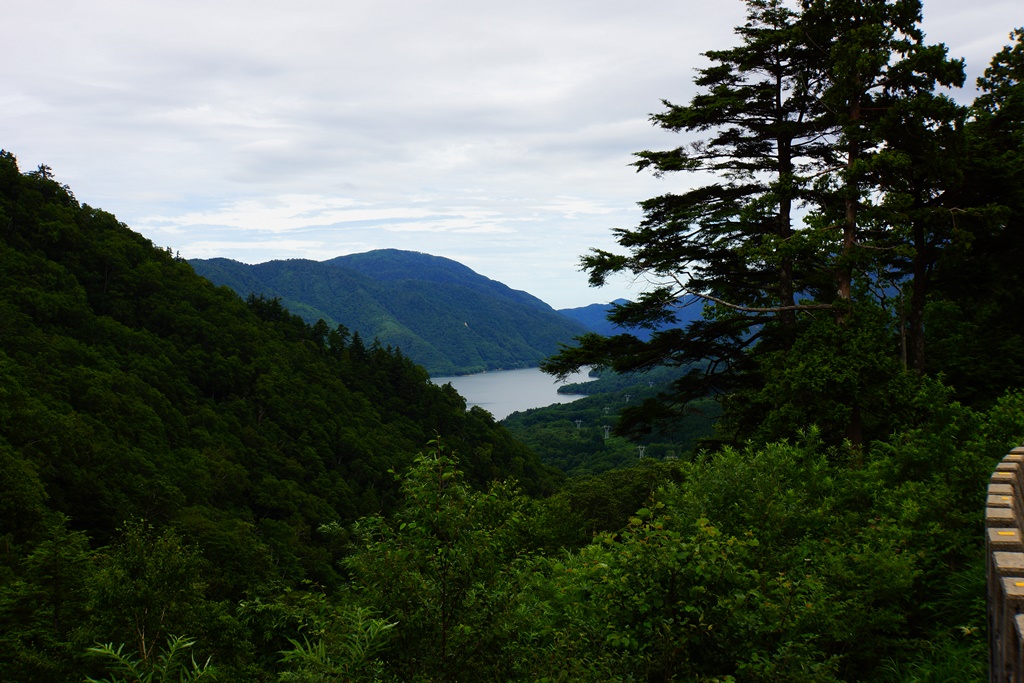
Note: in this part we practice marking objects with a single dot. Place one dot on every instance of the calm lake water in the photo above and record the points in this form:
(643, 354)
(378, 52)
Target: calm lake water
(503, 392)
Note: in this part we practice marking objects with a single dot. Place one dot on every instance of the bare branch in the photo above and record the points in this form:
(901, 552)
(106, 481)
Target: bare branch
(751, 309)
(683, 289)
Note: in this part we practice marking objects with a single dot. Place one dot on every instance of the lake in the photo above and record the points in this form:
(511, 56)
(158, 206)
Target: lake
(503, 392)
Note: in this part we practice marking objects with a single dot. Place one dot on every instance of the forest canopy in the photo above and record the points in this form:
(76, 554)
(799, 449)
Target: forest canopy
(133, 392)
(195, 486)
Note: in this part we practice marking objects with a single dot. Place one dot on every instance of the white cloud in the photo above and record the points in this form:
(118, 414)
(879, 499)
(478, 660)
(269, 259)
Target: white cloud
(498, 134)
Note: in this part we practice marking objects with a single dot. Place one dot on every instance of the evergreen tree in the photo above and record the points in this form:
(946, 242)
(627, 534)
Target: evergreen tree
(882, 114)
(975, 322)
(731, 244)
(803, 116)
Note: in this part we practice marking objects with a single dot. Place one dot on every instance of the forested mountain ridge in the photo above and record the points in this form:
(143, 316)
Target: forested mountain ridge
(439, 312)
(596, 318)
(396, 265)
(131, 388)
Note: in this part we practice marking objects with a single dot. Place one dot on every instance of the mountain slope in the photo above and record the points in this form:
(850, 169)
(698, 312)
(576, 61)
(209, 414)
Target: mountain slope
(132, 388)
(440, 313)
(395, 265)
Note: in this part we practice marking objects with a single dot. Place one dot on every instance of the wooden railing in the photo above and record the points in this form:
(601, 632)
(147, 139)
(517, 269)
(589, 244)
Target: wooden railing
(1004, 522)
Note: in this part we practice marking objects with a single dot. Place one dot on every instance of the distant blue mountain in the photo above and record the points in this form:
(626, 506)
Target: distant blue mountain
(595, 318)
(440, 313)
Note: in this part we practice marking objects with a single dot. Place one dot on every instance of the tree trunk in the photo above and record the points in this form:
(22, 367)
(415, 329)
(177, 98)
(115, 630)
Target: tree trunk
(918, 297)
(787, 298)
(844, 269)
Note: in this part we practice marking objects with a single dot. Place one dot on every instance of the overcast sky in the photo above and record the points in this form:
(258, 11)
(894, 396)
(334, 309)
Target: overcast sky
(498, 134)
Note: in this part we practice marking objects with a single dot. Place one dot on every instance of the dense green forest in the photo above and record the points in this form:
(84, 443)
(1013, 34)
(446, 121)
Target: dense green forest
(579, 437)
(199, 487)
(442, 315)
(137, 398)
(848, 227)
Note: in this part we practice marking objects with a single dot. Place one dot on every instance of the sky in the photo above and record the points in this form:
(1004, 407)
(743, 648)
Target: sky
(497, 134)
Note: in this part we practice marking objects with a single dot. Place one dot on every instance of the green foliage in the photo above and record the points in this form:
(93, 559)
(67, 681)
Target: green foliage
(438, 312)
(148, 586)
(787, 565)
(346, 650)
(974, 326)
(697, 610)
(768, 563)
(572, 436)
(592, 504)
(953, 657)
(44, 605)
(843, 378)
(167, 667)
(606, 382)
(838, 537)
(130, 388)
(832, 166)
(438, 568)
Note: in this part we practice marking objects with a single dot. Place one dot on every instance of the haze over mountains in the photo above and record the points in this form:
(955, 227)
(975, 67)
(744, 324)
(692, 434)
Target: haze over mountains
(440, 313)
(595, 318)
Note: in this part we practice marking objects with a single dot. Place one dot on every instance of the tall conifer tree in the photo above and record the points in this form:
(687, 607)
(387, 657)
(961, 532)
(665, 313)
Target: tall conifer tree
(792, 122)
(730, 245)
(891, 134)
(975, 323)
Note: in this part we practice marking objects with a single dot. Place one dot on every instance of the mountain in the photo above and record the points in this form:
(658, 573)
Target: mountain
(131, 388)
(440, 313)
(595, 318)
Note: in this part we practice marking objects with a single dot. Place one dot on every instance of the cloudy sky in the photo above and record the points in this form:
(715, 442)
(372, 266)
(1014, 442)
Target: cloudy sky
(498, 134)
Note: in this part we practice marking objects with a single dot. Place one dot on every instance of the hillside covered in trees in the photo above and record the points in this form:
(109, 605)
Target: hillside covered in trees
(133, 389)
(197, 487)
(579, 437)
(441, 314)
